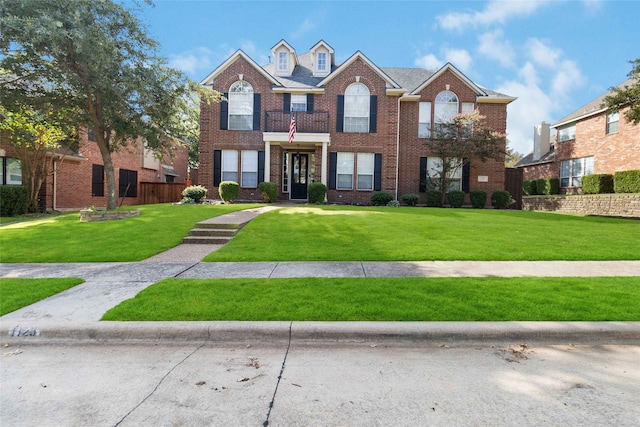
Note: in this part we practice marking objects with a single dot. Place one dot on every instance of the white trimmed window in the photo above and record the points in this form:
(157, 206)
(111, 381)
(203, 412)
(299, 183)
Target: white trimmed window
(356, 108)
(249, 168)
(322, 61)
(298, 102)
(344, 171)
(230, 165)
(434, 172)
(365, 171)
(613, 120)
(10, 171)
(445, 109)
(424, 120)
(567, 132)
(467, 107)
(572, 171)
(283, 63)
(241, 106)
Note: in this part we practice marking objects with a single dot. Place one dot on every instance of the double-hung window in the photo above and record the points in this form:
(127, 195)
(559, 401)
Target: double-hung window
(572, 171)
(249, 168)
(566, 133)
(613, 119)
(366, 168)
(424, 120)
(298, 103)
(322, 61)
(344, 171)
(446, 108)
(241, 106)
(356, 108)
(10, 171)
(230, 165)
(454, 175)
(283, 63)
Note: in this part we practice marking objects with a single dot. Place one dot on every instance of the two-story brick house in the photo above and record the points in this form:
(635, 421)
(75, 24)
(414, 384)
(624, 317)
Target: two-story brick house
(589, 140)
(360, 128)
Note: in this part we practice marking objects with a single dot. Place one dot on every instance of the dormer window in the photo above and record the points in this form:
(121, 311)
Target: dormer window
(283, 64)
(322, 61)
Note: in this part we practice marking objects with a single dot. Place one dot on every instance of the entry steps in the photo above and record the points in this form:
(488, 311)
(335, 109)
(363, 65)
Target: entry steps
(212, 233)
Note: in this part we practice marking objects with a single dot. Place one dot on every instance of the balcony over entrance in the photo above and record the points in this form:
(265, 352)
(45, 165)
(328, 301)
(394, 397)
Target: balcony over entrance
(279, 121)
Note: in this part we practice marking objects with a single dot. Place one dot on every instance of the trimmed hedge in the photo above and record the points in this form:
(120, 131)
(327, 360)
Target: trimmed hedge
(548, 186)
(410, 199)
(228, 191)
(478, 198)
(529, 187)
(501, 199)
(455, 198)
(597, 183)
(268, 191)
(627, 181)
(14, 200)
(434, 198)
(317, 192)
(381, 198)
(195, 193)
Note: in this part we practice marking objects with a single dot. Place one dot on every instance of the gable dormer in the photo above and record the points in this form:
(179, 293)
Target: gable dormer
(322, 59)
(285, 58)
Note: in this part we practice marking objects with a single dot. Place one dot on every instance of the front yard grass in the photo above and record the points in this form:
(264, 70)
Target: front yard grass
(386, 299)
(18, 293)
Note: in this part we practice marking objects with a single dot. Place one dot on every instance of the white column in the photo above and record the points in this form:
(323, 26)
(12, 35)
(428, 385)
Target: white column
(324, 167)
(267, 161)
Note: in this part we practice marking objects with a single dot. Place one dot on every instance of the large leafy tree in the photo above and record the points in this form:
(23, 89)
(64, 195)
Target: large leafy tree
(94, 58)
(466, 136)
(629, 96)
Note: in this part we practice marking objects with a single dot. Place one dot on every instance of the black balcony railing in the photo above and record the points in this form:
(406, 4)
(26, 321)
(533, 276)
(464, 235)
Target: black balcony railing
(316, 122)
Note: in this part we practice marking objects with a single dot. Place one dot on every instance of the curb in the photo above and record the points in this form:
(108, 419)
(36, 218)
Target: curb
(327, 333)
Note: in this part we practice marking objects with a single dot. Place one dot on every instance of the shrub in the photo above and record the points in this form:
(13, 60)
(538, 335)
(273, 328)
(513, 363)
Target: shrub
(627, 181)
(317, 192)
(548, 186)
(394, 204)
(410, 199)
(529, 187)
(381, 198)
(597, 183)
(434, 198)
(228, 191)
(501, 199)
(14, 200)
(455, 198)
(268, 191)
(478, 198)
(194, 193)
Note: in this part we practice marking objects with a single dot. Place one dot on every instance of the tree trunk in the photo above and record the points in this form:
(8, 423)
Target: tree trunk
(109, 174)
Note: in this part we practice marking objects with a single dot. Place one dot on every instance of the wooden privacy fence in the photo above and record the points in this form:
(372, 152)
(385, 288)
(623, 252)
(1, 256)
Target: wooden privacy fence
(160, 192)
(513, 184)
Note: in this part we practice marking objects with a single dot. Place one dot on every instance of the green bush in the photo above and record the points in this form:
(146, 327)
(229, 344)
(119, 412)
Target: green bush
(228, 191)
(394, 204)
(529, 187)
(268, 191)
(597, 183)
(434, 198)
(14, 200)
(501, 199)
(478, 198)
(410, 199)
(194, 193)
(627, 181)
(381, 198)
(548, 186)
(317, 192)
(455, 198)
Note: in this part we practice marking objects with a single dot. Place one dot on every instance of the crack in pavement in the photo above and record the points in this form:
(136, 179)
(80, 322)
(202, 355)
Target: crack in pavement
(284, 361)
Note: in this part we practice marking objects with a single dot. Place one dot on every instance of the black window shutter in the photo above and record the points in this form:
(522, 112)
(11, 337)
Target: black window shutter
(260, 166)
(217, 167)
(286, 103)
(97, 180)
(256, 111)
(310, 103)
(466, 172)
(340, 114)
(377, 172)
(333, 164)
(224, 113)
(373, 114)
(423, 174)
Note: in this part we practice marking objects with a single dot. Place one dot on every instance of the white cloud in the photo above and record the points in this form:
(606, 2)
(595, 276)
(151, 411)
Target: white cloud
(430, 62)
(568, 78)
(493, 45)
(192, 61)
(543, 54)
(495, 12)
(460, 58)
(304, 28)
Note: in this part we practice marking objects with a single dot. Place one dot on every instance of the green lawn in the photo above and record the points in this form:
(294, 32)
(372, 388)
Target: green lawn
(397, 299)
(350, 233)
(18, 293)
(64, 238)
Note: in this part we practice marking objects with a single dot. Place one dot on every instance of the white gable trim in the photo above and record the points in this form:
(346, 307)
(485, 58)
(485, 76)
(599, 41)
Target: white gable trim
(448, 66)
(238, 54)
(351, 60)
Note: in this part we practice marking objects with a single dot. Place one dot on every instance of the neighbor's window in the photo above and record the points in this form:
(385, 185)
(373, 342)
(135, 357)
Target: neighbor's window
(128, 183)
(613, 120)
(572, 171)
(356, 108)
(365, 171)
(241, 106)
(344, 171)
(97, 180)
(567, 132)
(230, 165)
(298, 103)
(249, 168)
(424, 120)
(10, 171)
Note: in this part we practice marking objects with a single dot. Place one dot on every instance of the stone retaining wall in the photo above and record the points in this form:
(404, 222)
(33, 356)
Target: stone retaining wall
(620, 205)
(88, 215)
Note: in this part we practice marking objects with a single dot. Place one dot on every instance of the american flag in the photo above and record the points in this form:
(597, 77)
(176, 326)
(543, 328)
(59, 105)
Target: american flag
(292, 129)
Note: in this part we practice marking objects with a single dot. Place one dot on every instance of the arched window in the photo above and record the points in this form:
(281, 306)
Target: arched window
(446, 107)
(356, 108)
(241, 106)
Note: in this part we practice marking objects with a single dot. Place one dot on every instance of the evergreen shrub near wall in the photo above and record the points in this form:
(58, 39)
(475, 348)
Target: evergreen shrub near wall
(381, 198)
(478, 198)
(548, 186)
(434, 198)
(627, 181)
(14, 200)
(410, 199)
(268, 191)
(228, 191)
(455, 198)
(317, 192)
(529, 187)
(194, 193)
(597, 183)
(501, 199)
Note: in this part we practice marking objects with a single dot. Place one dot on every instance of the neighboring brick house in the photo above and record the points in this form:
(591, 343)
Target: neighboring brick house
(587, 141)
(78, 180)
(360, 128)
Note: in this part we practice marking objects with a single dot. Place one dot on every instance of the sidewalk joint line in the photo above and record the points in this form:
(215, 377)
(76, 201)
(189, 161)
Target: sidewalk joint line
(364, 272)
(273, 270)
(284, 361)
(186, 269)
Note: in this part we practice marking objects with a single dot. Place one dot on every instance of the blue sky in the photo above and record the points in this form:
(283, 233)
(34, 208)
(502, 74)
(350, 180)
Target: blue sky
(554, 55)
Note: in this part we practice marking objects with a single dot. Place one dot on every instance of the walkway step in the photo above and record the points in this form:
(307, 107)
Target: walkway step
(207, 240)
(212, 232)
(221, 224)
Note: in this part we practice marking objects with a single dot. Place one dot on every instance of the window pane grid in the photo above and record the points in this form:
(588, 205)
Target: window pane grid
(344, 171)
(241, 106)
(249, 168)
(365, 171)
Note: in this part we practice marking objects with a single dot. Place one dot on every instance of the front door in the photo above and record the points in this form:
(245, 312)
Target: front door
(299, 176)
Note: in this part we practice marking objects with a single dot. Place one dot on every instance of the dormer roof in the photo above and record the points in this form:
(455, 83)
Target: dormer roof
(238, 54)
(291, 58)
(391, 84)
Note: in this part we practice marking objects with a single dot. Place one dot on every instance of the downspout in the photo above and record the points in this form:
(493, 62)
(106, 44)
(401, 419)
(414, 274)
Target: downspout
(55, 186)
(397, 147)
